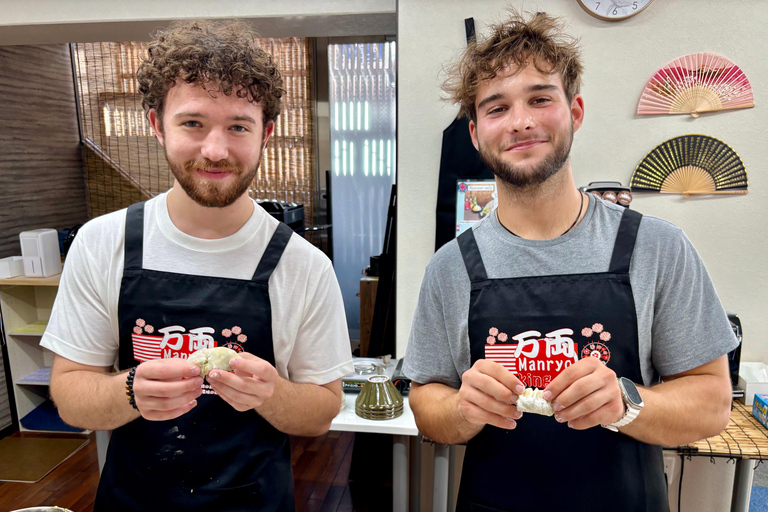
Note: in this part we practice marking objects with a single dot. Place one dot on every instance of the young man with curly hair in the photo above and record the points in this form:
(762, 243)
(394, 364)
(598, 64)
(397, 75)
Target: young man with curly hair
(609, 315)
(196, 267)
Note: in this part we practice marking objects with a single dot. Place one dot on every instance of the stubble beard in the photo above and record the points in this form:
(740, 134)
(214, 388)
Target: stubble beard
(212, 193)
(529, 176)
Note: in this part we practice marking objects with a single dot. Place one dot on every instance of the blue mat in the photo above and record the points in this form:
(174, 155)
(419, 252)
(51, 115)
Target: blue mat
(758, 500)
(46, 417)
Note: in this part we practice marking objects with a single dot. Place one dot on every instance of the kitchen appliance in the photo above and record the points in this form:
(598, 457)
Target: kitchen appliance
(40, 252)
(734, 356)
(401, 382)
(612, 191)
(289, 213)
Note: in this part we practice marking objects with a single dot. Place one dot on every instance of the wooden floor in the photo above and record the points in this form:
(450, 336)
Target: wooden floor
(321, 473)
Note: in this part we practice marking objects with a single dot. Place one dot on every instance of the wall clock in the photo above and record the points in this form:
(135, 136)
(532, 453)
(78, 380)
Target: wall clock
(614, 10)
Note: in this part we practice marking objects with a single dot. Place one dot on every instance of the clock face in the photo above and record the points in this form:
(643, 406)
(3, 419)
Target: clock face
(614, 10)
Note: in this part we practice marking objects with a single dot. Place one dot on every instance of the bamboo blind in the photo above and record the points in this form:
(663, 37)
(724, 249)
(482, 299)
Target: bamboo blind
(744, 438)
(125, 163)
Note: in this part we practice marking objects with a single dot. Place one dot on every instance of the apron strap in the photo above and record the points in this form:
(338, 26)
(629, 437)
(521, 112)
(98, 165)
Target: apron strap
(273, 253)
(471, 254)
(134, 237)
(625, 242)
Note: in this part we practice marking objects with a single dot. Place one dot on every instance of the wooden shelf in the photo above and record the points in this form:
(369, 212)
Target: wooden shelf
(31, 281)
(26, 305)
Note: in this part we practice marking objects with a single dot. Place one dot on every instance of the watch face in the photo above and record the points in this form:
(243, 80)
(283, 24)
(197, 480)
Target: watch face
(631, 391)
(614, 10)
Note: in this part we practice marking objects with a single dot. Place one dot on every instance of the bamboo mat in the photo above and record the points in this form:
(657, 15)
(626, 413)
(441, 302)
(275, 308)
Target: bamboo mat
(744, 438)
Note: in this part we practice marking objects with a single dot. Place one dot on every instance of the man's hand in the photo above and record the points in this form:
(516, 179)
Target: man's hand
(252, 382)
(487, 395)
(586, 394)
(166, 388)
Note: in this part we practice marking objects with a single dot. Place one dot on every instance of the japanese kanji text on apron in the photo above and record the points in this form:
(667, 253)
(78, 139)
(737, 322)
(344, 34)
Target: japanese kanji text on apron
(536, 327)
(213, 458)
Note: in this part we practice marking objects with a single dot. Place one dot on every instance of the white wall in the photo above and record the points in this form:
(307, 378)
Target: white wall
(619, 57)
(729, 232)
(63, 21)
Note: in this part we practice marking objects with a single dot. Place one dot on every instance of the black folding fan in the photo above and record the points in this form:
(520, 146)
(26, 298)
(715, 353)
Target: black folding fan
(691, 164)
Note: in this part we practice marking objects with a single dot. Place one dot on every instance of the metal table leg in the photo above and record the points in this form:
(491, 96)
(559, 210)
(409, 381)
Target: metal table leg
(400, 473)
(414, 488)
(102, 443)
(442, 470)
(451, 478)
(742, 485)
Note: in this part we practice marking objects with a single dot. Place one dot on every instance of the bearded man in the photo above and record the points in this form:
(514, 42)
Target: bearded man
(560, 303)
(197, 267)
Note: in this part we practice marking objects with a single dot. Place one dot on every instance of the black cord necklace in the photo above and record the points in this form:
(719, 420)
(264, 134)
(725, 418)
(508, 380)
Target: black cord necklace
(581, 206)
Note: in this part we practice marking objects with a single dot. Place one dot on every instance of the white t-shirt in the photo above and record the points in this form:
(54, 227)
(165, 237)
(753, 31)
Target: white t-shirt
(311, 341)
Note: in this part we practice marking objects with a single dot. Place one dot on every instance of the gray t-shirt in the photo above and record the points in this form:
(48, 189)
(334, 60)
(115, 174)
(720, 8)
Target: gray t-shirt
(681, 322)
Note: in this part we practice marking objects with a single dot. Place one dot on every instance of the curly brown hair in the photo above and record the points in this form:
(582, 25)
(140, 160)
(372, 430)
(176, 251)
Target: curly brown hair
(540, 39)
(220, 56)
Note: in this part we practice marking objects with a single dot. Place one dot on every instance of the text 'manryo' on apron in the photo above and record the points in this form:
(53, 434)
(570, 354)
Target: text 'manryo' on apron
(213, 458)
(536, 327)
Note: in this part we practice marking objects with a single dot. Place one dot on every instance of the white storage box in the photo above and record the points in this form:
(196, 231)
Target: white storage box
(40, 249)
(753, 379)
(12, 266)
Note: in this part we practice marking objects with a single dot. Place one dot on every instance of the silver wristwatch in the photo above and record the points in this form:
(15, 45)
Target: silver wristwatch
(633, 403)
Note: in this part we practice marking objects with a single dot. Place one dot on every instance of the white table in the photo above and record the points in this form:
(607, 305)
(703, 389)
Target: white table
(406, 457)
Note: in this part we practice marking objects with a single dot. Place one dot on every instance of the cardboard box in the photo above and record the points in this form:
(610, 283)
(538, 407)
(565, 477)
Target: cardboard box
(760, 409)
(753, 379)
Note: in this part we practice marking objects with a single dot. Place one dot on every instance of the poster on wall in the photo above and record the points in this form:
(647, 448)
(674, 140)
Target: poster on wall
(475, 200)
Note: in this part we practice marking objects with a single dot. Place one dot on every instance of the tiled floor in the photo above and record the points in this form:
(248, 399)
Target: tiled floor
(758, 501)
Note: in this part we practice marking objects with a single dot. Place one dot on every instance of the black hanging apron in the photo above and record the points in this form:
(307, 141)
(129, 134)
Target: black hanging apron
(213, 458)
(536, 327)
(459, 160)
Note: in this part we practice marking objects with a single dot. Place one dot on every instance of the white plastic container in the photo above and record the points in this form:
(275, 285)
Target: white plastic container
(753, 379)
(12, 266)
(40, 249)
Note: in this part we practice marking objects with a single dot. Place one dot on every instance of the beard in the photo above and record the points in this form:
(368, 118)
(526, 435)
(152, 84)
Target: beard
(524, 176)
(212, 193)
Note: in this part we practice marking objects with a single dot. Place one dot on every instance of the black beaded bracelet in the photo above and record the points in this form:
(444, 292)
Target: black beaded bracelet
(129, 388)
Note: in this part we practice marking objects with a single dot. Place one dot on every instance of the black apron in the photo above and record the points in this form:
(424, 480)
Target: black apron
(459, 160)
(213, 458)
(536, 327)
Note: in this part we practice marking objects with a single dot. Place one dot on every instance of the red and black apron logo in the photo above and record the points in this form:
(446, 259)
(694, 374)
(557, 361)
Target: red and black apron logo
(177, 341)
(537, 359)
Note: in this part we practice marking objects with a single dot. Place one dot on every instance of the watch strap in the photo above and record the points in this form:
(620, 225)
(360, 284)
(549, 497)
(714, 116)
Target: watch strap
(631, 412)
(628, 417)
